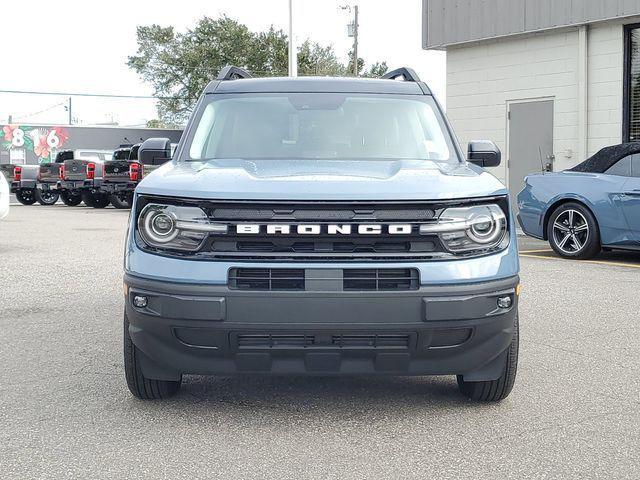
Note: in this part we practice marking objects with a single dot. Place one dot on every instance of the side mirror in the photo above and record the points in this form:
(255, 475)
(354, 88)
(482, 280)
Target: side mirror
(155, 151)
(484, 153)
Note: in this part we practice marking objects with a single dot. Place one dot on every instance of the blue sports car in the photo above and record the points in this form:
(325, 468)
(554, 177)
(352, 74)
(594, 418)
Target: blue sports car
(592, 206)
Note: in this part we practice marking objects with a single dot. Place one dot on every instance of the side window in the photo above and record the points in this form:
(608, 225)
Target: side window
(635, 165)
(622, 168)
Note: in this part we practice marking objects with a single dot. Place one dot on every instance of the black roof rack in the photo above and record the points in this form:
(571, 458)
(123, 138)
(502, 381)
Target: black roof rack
(408, 74)
(233, 73)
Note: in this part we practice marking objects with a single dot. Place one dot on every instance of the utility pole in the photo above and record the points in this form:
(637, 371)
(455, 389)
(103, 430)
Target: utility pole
(352, 31)
(355, 41)
(293, 53)
(70, 114)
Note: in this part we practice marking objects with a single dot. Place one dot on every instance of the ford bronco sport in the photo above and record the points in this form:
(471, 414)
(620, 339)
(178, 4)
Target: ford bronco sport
(320, 226)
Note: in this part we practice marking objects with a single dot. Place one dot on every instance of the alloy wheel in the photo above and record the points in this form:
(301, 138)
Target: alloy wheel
(570, 231)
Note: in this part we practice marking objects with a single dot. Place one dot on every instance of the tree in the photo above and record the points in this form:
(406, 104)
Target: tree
(180, 65)
(314, 59)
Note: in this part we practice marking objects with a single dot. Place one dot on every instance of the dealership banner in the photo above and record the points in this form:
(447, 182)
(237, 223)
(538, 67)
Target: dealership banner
(44, 143)
(37, 144)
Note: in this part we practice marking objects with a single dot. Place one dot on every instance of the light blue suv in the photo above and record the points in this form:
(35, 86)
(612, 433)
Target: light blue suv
(320, 226)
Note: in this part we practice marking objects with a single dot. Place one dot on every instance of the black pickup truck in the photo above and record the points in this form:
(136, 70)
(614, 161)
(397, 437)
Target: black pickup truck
(121, 175)
(83, 177)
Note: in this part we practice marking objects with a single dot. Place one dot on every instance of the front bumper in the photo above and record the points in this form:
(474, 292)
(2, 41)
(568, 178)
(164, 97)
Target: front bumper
(211, 329)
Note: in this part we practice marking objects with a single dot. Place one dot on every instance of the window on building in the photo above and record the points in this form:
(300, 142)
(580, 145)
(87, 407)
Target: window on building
(632, 83)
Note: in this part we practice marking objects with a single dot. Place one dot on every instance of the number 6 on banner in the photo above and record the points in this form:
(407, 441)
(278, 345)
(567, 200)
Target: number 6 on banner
(52, 139)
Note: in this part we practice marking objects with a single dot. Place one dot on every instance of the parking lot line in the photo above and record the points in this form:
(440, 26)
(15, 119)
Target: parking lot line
(527, 254)
(546, 250)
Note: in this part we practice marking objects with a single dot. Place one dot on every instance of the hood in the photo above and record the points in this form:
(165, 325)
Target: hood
(320, 180)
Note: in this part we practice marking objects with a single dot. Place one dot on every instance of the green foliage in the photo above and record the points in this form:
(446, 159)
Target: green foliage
(157, 123)
(179, 65)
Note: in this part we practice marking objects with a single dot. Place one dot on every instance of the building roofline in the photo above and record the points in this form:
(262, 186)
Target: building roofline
(449, 24)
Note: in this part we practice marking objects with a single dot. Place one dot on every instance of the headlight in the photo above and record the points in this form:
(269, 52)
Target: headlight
(470, 229)
(175, 228)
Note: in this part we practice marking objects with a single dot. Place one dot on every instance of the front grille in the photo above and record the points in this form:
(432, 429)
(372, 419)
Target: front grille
(266, 279)
(387, 279)
(371, 341)
(336, 233)
(274, 341)
(339, 341)
(323, 246)
(349, 279)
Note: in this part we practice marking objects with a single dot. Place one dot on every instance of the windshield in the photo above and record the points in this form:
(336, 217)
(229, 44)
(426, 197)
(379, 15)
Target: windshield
(321, 126)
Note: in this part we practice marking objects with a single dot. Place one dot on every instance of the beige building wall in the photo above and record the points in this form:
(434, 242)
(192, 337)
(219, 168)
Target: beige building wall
(483, 78)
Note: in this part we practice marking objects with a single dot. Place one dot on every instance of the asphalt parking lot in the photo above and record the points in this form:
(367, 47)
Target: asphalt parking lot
(65, 411)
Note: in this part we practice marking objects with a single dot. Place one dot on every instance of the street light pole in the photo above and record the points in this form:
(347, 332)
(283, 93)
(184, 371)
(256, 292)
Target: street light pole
(293, 53)
(355, 41)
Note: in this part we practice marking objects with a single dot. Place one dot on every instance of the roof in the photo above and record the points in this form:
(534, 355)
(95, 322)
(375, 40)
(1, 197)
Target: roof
(448, 23)
(317, 85)
(607, 157)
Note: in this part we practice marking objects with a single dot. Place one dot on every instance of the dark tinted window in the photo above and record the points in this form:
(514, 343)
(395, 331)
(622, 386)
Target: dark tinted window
(635, 165)
(121, 154)
(622, 168)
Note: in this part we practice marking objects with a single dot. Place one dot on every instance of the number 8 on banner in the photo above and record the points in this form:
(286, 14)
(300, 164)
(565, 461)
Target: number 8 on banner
(18, 138)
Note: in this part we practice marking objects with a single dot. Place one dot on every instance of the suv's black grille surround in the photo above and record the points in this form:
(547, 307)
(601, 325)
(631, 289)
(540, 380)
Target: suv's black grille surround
(432, 250)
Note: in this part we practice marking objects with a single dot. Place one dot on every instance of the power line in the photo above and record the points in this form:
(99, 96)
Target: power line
(22, 117)
(101, 95)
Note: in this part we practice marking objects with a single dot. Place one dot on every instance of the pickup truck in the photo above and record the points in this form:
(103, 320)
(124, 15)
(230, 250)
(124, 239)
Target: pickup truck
(84, 176)
(48, 177)
(24, 180)
(321, 226)
(80, 177)
(121, 175)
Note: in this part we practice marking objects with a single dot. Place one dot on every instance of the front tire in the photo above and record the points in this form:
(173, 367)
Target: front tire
(47, 197)
(71, 198)
(95, 200)
(573, 232)
(26, 196)
(495, 390)
(140, 386)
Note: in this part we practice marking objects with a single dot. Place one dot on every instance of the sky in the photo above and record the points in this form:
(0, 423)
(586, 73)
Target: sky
(82, 47)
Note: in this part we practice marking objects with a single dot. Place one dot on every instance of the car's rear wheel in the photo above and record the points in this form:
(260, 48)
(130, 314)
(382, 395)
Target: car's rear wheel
(122, 200)
(573, 232)
(140, 386)
(71, 198)
(95, 200)
(26, 196)
(495, 390)
(46, 197)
